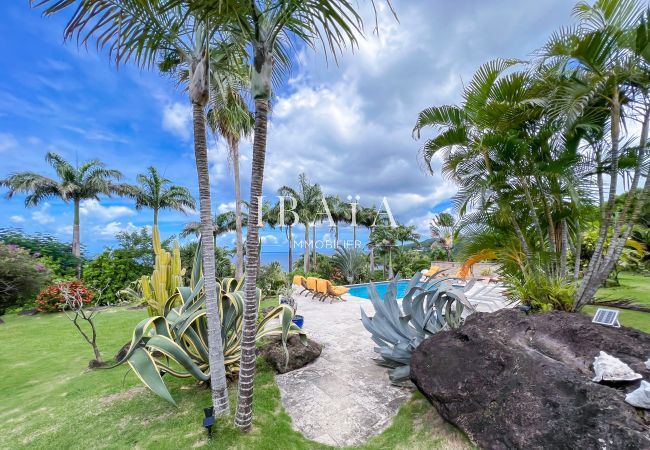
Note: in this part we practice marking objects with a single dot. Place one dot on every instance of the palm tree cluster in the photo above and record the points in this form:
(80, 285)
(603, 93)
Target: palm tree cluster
(89, 180)
(536, 146)
(217, 48)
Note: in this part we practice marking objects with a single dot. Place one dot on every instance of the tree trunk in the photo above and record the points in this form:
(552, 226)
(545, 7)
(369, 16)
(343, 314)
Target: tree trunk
(215, 344)
(76, 238)
(336, 235)
(372, 261)
(290, 248)
(305, 255)
(239, 262)
(155, 217)
(244, 417)
(313, 248)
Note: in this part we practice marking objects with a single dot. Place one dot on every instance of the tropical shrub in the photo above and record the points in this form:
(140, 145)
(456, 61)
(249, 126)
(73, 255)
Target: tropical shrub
(22, 276)
(54, 297)
(63, 262)
(271, 278)
(350, 262)
(408, 263)
(222, 263)
(426, 309)
(176, 342)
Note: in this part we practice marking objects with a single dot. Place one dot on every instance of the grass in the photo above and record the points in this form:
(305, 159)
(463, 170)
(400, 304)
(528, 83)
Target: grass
(633, 287)
(50, 399)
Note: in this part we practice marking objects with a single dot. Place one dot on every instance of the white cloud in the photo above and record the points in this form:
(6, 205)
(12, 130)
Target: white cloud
(111, 229)
(7, 142)
(95, 210)
(177, 119)
(225, 207)
(268, 239)
(42, 216)
(17, 219)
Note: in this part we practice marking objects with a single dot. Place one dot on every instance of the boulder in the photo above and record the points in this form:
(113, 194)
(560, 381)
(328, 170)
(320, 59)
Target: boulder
(119, 356)
(514, 381)
(299, 354)
(28, 312)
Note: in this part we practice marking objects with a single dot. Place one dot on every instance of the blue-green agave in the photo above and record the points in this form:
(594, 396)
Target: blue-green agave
(176, 343)
(427, 307)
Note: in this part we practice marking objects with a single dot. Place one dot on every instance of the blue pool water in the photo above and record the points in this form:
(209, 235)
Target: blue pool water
(361, 290)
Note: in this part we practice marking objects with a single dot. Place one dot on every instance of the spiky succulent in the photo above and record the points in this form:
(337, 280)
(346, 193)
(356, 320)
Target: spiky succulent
(427, 308)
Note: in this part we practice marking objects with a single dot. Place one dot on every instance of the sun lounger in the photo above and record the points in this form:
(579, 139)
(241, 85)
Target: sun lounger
(335, 292)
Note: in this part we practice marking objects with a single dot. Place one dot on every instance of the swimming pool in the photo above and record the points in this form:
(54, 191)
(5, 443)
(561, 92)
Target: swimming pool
(361, 290)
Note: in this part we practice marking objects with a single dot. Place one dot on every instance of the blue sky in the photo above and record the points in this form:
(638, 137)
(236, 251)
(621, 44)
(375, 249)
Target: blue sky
(347, 127)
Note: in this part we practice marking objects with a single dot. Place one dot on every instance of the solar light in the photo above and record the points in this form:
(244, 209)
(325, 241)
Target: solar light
(608, 317)
(209, 420)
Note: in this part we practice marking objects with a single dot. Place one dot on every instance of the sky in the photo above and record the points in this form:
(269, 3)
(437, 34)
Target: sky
(347, 125)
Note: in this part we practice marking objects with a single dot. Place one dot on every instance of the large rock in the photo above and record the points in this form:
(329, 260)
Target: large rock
(515, 381)
(299, 354)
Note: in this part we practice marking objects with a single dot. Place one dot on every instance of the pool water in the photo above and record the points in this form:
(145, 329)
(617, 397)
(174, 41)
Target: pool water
(361, 290)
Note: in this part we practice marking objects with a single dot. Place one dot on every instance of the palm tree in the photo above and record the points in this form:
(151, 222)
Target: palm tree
(186, 44)
(75, 183)
(222, 224)
(154, 192)
(605, 58)
(265, 26)
(340, 214)
(443, 227)
(308, 199)
(231, 118)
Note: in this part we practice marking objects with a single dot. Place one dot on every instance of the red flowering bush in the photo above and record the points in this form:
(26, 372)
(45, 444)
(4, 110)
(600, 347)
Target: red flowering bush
(53, 298)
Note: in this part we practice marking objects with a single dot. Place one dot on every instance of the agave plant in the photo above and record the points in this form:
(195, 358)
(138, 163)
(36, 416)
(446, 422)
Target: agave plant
(176, 342)
(167, 275)
(426, 308)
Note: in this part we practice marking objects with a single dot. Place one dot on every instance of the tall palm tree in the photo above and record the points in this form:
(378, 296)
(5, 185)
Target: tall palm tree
(266, 25)
(340, 212)
(75, 183)
(168, 33)
(154, 191)
(308, 199)
(443, 227)
(231, 118)
(606, 58)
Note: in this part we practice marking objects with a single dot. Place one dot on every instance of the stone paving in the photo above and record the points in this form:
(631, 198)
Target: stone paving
(343, 397)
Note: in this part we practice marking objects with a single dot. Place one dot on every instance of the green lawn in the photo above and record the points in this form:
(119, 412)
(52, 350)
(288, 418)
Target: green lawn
(633, 287)
(50, 400)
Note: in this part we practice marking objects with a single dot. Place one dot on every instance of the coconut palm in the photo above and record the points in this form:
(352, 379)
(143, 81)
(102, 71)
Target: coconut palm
(308, 199)
(75, 183)
(154, 191)
(231, 118)
(146, 33)
(222, 224)
(340, 212)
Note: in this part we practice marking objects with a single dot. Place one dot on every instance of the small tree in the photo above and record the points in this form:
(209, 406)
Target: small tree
(74, 310)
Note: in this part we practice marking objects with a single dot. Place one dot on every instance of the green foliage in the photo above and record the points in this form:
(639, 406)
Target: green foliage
(63, 263)
(114, 269)
(223, 265)
(176, 343)
(540, 290)
(22, 276)
(270, 278)
(351, 262)
(409, 262)
(54, 297)
(427, 308)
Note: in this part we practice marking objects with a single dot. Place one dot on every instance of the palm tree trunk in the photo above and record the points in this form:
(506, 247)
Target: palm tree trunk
(155, 217)
(336, 235)
(305, 256)
(239, 262)
(290, 248)
(313, 248)
(244, 416)
(215, 344)
(76, 238)
(372, 261)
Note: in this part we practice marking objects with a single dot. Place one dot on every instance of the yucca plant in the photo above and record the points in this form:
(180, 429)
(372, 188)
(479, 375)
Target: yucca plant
(176, 342)
(167, 275)
(427, 308)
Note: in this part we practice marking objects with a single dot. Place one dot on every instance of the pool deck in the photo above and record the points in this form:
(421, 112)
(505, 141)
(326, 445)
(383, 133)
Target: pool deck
(343, 398)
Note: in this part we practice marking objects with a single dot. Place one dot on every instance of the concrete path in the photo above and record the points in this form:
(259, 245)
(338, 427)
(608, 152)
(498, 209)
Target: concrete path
(343, 397)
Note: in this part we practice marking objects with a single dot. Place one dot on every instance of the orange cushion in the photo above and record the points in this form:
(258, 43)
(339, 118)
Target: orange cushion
(311, 283)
